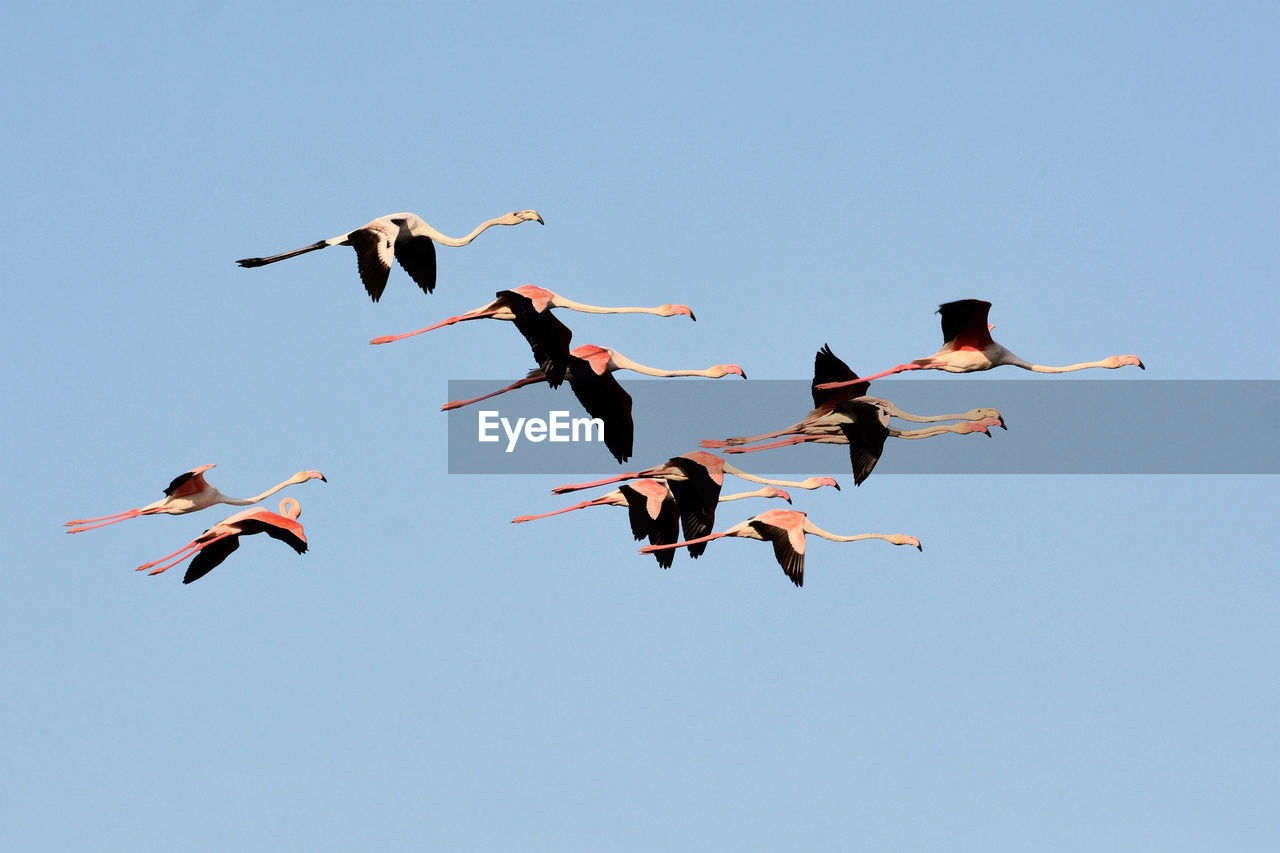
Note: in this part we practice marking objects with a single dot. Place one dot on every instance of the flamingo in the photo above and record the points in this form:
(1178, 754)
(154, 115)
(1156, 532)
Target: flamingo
(695, 480)
(653, 510)
(825, 415)
(967, 346)
(786, 529)
(402, 235)
(540, 300)
(589, 372)
(188, 493)
(863, 424)
(216, 544)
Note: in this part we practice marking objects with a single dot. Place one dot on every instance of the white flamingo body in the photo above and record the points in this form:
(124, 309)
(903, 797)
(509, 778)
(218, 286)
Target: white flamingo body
(404, 237)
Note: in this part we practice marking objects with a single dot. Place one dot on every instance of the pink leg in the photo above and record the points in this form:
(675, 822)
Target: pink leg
(110, 519)
(560, 490)
(190, 546)
(458, 404)
(795, 439)
(827, 386)
(583, 505)
(386, 339)
(649, 549)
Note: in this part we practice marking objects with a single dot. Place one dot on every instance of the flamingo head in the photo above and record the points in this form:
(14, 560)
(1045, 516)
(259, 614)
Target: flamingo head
(771, 492)
(518, 216)
(819, 482)
(312, 475)
(1122, 360)
(902, 539)
(672, 310)
(991, 416)
(726, 369)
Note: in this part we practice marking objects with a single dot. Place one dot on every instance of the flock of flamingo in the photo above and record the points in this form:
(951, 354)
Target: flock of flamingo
(681, 494)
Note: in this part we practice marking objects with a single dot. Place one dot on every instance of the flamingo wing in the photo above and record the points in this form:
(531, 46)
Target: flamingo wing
(547, 336)
(416, 254)
(604, 398)
(697, 497)
(964, 323)
(186, 484)
(210, 557)
(375, 247)
(789, 557)
(866, 431)
(828, 367)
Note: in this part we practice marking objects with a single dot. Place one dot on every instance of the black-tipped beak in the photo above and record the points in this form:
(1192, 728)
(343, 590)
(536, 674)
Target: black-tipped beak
(788, 499)
(539, 218)
(324, 479)
(987, 433)
(1003, 425)
(837, 486)
(920, 548)
(744, 374)
(691, 317)
(1140, 364)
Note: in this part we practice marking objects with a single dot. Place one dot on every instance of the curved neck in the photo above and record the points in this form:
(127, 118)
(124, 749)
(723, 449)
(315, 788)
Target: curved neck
(446, 240)
(268, 493)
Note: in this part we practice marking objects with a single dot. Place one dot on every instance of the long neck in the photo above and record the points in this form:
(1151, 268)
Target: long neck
(446, 240)
(561, 302)
(763, 492)
(737, 472)
(621, 362)
(1041, 368)
(268, 493)
(971, 415)
(810, 527)
(929, 432)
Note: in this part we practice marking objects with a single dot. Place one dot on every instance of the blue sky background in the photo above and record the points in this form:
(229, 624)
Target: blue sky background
(1072, 663)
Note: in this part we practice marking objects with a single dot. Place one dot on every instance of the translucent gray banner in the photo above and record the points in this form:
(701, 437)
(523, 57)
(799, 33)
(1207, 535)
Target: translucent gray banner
(1055, 426)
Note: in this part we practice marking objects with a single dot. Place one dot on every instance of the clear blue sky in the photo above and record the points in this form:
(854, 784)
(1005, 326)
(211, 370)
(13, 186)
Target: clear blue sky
(1073, 663)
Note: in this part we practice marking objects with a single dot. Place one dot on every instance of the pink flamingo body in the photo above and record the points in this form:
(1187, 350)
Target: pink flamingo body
(968, 347)
(402, 236)
(189, 492)
(785, 529)
(218, 542)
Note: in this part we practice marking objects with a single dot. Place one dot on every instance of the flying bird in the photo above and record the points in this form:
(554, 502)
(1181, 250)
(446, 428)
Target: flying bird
(590, 374)
(400, 235)
(189, 492)
(786, 529)
(218, 542)
(537, 300)
(653, 510)
(823, 418)
(967, 346)
(863, 424)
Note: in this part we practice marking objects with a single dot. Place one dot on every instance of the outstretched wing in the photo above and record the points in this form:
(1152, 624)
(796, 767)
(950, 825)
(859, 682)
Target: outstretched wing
(604, 398)
(827, 367)
(210, 557)
(417, 256)
(791, 559)
(547, 336)
(697, 497)
(866, 432)
(374, 250)
(964, 323)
